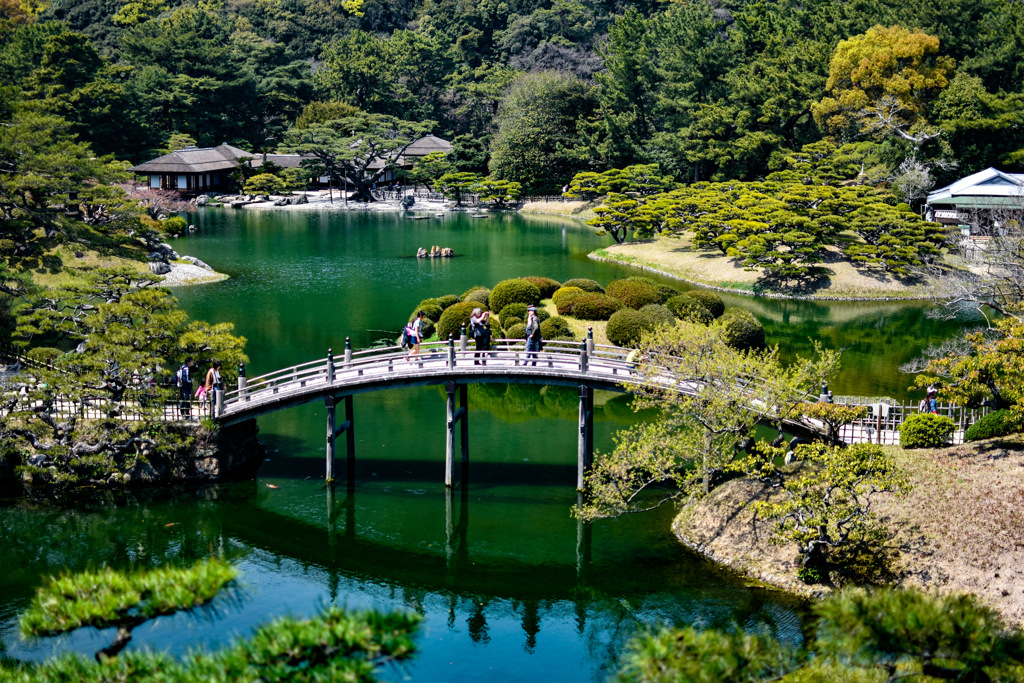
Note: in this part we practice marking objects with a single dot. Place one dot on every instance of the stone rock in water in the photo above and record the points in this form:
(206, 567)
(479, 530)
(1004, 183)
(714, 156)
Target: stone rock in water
(202, 200)
(159, 267)
(167, 250)
(196, 262)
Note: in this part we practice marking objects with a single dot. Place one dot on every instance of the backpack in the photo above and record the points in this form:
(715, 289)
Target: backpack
(179, 376)
(408, 334)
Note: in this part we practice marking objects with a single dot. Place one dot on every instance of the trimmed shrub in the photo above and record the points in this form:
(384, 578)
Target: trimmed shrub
(593, 306)
(175, 225)
(711, 301)
(427, 328)
(634, 293)
(564, 297)
(999, 423)
(432, 311)
(741, 330)
(480, 297)
(516, 331)
(514, 291)
(516, 313)
(584, 284)
(689, 309)
(447, 300)
(497, 329)
(546, 285)
(625, 327)
(658, 314)
(556, 328)
(471, 290)
(454, 317)
(667, 292)
(926, 430)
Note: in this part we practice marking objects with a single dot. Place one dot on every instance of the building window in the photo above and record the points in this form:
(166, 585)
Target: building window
(154, 182)
(182, 182)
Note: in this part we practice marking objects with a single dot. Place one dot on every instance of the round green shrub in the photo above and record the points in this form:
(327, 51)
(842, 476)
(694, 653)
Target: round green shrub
(546, 285)
(480, 297)
(454, 317)
(556, 328)
(711, 301)
(427, 328)
(472, 289)
(999, 423)
(516, 330)
(689, 309)
(174, 225)
(634, 293)
(432, 311)
(564, 297)
(667, 293)
(447, 300)
(514, 291)
(593, 306)
(516, 313)
(926, 430)
(741, 330)
(584, 284)
(658, 314)
(626, 326)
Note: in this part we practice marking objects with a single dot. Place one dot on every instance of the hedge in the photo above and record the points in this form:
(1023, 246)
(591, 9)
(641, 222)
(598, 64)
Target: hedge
(584, 284)
(556, 328)
(515, 331)
(427, 328)
(658, 314)
(690, 309)
(516, 312)
(512, 291)
(999, 423)
(634, 293)
(447, 300)
(625, 327)
(546, 285)
(741, 330)
(926, 430)
(480, 297)
(454, 317)
(593, 306)
(711, 301)
(432, 310)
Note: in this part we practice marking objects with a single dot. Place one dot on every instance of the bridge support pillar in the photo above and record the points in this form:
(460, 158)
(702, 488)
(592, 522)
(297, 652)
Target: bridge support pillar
(460, 416)
(585, 455)
(333, 432)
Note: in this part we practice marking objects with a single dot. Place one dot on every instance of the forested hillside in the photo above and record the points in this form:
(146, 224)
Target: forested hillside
(537, 90)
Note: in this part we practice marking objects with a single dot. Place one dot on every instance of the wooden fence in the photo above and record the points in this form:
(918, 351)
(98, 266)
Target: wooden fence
(885, 417)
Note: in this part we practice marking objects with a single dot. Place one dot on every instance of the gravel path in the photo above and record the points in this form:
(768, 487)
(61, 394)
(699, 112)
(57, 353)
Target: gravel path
(185, 274)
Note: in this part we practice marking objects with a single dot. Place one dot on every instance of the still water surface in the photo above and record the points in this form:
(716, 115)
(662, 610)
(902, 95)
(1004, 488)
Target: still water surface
(509, 585)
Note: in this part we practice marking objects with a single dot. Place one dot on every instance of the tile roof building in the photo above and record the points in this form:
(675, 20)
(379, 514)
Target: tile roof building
(971, 201)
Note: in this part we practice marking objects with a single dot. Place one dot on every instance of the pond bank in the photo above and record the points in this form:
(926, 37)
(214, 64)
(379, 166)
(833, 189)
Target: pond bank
(959, 529)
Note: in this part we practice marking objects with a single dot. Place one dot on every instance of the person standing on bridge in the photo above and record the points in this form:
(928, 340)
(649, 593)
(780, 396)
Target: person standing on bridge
(478, 327)
(534, 340)
(416, 336)
(213, 382)
(183, 378)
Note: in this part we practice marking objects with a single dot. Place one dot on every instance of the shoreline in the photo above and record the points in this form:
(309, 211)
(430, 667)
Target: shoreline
(189, 274)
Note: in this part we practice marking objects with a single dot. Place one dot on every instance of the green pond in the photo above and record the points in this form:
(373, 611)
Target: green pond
(511, 588)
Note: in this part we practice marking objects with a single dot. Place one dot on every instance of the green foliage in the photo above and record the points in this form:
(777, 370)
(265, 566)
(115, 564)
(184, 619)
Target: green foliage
(430, 168)
(515, 330)
(926, 430)
(455, 316)
(479, 296)
(741, 330)
(998, 423)
(174, 225)
(266, 184)
(658, 314)
(556, 327)
(584, 284)
(639, 179)
(497, 191)
(447, 300)
(833, 416)
(627, 326)
(711, 301)
(516, 313)
(511, 291)
(689, 309)
(825, 505)
(565, 297)
(456, 184)
(430, 308)
(546, 285)
(634, 293)
(43, 354)
(590, 306)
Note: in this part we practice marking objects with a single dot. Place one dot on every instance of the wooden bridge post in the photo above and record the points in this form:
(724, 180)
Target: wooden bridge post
(585, 454)
(350, 440)
(454, 416)
(348, 351)
(329, 402)
(334, 432)
(242, 383)
(590, 340)
(451, 352)
(583, 357)
(330, 366)
(463, 339)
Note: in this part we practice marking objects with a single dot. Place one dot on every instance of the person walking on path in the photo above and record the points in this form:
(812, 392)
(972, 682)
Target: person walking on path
(534, 340)
(213, 383)
(416, 338)
(184, 382)
(478, 327)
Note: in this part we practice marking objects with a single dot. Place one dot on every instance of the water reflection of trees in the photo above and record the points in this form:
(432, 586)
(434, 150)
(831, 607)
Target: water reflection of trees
(522, 402)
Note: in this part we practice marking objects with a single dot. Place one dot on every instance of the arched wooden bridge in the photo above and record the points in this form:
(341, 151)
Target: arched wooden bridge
(453, 364)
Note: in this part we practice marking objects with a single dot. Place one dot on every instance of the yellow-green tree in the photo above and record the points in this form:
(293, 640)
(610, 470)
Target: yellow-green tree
(883, 81)
(265, 183)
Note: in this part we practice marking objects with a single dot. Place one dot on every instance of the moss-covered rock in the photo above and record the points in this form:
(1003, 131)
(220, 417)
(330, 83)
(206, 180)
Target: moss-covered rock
(512, 291)
(584, 284)
(634, 293)
(741, 330)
